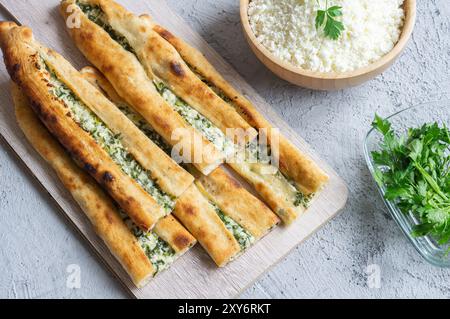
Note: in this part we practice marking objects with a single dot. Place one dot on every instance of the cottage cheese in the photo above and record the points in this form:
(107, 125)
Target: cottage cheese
(287, 29)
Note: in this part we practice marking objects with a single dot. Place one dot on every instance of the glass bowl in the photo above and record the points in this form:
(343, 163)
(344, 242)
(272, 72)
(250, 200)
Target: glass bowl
(412, 117)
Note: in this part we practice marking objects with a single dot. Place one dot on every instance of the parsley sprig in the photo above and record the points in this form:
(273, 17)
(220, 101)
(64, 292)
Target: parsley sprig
(326, 19)
(415, 171)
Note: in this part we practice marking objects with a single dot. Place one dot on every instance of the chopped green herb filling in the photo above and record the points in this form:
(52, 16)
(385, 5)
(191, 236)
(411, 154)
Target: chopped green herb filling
(218, 91)
(146, 128)
(215, 89)
(254, 153)
(159, 252)
(96, 15)
(109, 141)
(211, 132)
(302, 199)
(257, 153)
(242, 236)
(299, 199)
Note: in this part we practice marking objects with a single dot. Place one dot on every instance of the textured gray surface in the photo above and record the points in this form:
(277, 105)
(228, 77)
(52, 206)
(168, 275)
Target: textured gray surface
(37, 245)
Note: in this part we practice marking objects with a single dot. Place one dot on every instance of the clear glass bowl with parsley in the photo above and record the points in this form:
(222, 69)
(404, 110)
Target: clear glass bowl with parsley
(408, 155)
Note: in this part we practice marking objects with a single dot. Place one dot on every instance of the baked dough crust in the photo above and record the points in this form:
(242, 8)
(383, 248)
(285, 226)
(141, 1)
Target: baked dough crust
(308, 177)
(267, 188)
(131, 82)
(22, 58)
(218, 187)
(200, 218)
(172, 179)
(96, 205)
(172, 232)
(237, 202)
(162, 61)
(101, 83)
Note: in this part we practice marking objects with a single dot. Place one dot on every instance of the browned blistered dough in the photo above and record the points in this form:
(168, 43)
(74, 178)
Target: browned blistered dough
(97, 206)
(237, 202)
(200, 218)
(218, 187)
(308, 177)
(23, 61)
(132, 83)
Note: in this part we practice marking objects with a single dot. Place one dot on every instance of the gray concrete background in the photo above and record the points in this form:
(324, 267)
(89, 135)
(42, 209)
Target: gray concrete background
(37, 245)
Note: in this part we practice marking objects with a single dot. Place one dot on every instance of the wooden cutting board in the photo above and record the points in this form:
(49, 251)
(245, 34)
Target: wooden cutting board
(194, 275)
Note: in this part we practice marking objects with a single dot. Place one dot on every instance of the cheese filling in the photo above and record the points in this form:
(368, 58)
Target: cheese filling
(287, 28)
(189, 114)
(211, 132)
(142, 124)
(107, 140)
(258, 161)
(159, 252)
(96, 15)
(243, 237)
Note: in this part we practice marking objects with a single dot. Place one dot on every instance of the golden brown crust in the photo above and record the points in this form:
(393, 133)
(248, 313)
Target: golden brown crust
(308, 177)
(191, 208)
(270, 190)
(163, 61)
(168, 228)
(236, 202)
(101, 83)
(131, 82)
(172, 179)
(219, 187)
(172, 232)
(199, 217)
(22, 58)
(306, 174)
(95, 204)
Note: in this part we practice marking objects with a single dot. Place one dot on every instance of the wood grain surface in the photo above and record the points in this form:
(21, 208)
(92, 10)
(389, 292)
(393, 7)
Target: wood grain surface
(194, 275)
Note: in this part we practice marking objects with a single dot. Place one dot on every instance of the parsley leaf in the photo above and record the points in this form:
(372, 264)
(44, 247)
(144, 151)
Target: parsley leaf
(320, 18)
(335, 11)
(326, 19)
(381, 125)
(414, 170)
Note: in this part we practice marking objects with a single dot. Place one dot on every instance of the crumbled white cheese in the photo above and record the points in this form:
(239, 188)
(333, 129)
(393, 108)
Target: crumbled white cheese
(287, 29)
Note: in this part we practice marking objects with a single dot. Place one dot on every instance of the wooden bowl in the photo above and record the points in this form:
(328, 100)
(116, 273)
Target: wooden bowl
(332, 80)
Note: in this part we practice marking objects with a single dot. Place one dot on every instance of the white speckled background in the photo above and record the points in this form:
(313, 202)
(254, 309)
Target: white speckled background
(37, 245)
